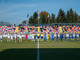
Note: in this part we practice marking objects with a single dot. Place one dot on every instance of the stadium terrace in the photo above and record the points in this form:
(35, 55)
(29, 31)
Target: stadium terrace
(40, 32)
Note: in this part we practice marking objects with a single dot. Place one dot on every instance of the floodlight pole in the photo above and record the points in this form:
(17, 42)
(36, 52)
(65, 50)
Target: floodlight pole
(38, 16)
(17, 22)
(48, 19)
(27, 19)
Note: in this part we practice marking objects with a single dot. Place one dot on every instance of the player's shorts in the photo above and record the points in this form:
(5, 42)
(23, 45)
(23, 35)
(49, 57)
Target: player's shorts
(15, 38)
(79, 35)
(56, 37)
(0, 38)
(52, 38)
(8, 38)
(72, 37)
(41, 37)
(38, 37)
(65, 37)
(11, 39)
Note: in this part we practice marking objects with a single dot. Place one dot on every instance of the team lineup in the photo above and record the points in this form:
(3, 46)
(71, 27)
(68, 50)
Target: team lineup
(43, 37)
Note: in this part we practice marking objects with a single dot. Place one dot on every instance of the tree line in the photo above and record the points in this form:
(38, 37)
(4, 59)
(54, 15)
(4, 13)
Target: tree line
(63, 17)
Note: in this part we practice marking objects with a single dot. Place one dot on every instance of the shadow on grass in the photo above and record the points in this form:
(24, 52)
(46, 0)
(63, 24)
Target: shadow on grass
(44, 54)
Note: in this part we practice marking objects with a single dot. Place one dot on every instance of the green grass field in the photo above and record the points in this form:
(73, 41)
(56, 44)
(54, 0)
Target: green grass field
(65, 50)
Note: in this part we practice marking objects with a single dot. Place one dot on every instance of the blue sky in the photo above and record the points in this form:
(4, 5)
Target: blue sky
(17, 10)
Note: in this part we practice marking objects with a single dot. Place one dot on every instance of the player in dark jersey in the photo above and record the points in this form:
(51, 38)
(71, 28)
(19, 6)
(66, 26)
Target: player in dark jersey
(79, 36)
(45, 38)
(52, 36)
(69, 36)
(56, 36)
(75, 36)
(72, 36)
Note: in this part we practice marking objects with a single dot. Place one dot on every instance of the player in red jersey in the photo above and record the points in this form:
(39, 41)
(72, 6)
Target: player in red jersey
(26, 37)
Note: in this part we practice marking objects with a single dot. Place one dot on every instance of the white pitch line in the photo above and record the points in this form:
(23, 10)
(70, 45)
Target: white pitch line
(38, 50)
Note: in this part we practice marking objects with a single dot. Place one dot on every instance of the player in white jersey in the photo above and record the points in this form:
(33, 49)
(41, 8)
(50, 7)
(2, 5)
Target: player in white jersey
(20, 38)
(8, 38)
(15, 37)
(1, 37)
(11, 37)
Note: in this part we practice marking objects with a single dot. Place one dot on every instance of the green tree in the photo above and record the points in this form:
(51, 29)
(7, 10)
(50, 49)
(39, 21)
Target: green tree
(44, 17)
(24, 22)
(75, 17)
(52, 18)
(71, 18)
(78, 19)
(61, 18)
(68, 16)
(31, 21)
(35, 17)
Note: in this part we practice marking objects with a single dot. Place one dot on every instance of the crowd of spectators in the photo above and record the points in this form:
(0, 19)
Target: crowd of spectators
(42, 29)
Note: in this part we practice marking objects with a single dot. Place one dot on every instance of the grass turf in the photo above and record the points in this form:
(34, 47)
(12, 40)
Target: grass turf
(65, 50)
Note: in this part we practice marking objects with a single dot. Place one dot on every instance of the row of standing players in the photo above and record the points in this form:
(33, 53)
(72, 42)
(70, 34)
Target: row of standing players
(59, 38)
(11, 37)
(47, 37)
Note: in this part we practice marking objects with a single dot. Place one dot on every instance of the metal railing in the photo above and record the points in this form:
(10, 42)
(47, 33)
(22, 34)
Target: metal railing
(58, 24)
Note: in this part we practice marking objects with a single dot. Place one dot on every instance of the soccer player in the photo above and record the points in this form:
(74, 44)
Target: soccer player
(72, 36)
(40, 36)
(65, 36)
(56, 36)
(26, 37)
(61, 36)
(1, 37)
(15, 37)
(45, 37)
(33, 37)
(79, 36)
(52, 37)
(48, 37)
(75, 36)
(20, 38)
(69, 36)
(36, 37)
(8, 38)
(11, 37)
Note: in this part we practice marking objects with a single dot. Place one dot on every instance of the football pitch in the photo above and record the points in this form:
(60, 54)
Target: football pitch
(62, 50)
